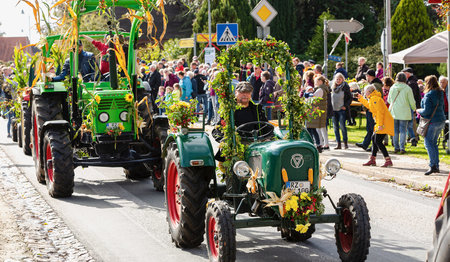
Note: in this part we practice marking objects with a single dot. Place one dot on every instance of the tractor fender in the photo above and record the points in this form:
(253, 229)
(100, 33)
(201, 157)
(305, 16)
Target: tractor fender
(52, 124)
(193, 146)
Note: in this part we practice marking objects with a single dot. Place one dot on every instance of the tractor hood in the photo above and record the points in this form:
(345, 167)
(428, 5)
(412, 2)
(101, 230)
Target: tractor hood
(296, 157)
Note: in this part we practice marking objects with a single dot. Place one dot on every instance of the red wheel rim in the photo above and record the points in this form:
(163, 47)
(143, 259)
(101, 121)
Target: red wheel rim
(35, 133)
(346, 237)
(173, 194)
(49, 163)
(213, 238)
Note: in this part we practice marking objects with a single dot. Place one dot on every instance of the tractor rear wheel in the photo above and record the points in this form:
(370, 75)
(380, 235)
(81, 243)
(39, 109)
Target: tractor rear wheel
(353, 232)
(44, 108)
(58, 163)
(19, 134)
(26, 129)
(220, 232)
(186, 191)
(292, 235)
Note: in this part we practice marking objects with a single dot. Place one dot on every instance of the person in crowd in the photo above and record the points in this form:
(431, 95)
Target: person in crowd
(443, 83)
(307, 65)
(86, 66)
(341, 98)
(384, 124)
(421, 88)
(308, 82)
(277, 93)
(170, 78)
(340, 69)
(194, 66)
(309, 94)
(186, 86)
(255, 81)
(387, 84)
(195, 59)
(370, 76)
(103, 48)
(362, 68)
(412, 83)
(320, 123)
(432, 107)
(160, 99)
(191, 76)
(401, 102)
(355, 90)
(202, 98)
(379, 72)
(8, 91)
(154, 80)
(180, 66)
(163, 78)
(298, 66)
(317, 69)
(266, 93)
(160, 65)
(176, 93)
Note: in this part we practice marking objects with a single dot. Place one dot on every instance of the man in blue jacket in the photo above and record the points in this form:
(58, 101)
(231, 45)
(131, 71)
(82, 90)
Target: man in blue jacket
(86, 66)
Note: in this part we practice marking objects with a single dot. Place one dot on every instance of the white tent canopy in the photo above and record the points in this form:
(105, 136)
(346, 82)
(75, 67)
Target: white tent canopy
(434, 50)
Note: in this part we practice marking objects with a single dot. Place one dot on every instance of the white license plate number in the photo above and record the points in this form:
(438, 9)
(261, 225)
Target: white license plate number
(299, 186)
(112, 125)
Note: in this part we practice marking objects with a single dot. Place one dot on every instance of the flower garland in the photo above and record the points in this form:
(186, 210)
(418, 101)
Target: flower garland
(300, 207)
(276, 54)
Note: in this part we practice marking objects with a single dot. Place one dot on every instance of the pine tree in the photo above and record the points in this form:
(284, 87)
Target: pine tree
(284, 23)
(410, 24)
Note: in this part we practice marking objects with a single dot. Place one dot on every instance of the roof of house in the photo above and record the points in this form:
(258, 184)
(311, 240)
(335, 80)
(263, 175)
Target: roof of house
(7, 45)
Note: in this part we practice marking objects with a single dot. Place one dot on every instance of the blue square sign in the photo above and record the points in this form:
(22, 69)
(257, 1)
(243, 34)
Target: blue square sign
(227, 34)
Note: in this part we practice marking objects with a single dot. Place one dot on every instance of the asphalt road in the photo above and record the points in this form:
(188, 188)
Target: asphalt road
(123, 220)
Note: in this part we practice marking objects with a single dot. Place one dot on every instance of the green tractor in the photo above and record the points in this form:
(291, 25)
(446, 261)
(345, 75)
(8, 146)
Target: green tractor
(272, 174)
(107, 122)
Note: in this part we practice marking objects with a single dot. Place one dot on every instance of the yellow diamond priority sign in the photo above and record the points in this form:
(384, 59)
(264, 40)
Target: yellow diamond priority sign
(263, 13)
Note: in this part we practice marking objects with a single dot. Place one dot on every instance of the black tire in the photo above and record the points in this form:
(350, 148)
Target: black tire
(186, 197)
(44, 108)
(58, 155)
(220, 232)
(137, 172)
(293, 236)
(19, 134)
(353, 232)
(14, 129)
(26, 130)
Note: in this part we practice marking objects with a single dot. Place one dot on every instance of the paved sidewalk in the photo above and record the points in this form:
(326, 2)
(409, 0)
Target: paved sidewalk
(407, 170)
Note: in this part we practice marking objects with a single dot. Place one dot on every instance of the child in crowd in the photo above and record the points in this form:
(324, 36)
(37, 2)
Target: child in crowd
(176, 93)
(161, 98)
(309, 92)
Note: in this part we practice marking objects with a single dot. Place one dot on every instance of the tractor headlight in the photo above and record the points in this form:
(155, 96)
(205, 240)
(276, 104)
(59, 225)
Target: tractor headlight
(332, 166)
(103, 117)
(242, 169)
(123, 116)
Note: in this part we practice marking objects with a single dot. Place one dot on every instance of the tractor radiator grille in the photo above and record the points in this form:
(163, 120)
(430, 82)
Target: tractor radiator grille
(111, 103)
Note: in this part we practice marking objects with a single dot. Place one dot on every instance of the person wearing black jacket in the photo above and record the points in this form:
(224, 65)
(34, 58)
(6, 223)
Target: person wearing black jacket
(255, 81)
(362, 69)
(154, 80)
(341, 98)
(412, 82)
(266, 93)
(202, 98)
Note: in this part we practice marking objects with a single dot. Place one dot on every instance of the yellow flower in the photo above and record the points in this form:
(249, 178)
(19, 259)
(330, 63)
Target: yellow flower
(97, 99)
(121, 127)
(173, 107)
(304, 196)
(185, 104)
(302, 228)
(129, 98)
(292, 203)
(308, 211)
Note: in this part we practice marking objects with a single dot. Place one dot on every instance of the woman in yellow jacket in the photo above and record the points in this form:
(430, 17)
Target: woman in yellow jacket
(384, 123)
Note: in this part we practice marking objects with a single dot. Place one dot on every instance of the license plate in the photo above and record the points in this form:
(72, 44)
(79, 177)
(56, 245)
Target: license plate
(299, 186)
(112, 125)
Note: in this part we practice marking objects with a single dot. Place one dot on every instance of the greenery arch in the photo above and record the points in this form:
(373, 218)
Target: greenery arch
(275, 53)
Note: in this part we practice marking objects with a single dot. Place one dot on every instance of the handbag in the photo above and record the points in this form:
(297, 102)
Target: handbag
(424, 123)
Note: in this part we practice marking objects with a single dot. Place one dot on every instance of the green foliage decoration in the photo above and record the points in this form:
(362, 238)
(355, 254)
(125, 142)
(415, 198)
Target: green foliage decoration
(276, 54)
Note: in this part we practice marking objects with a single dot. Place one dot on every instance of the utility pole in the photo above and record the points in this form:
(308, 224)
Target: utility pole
(209, 22)
(325, 48)
(388, 37)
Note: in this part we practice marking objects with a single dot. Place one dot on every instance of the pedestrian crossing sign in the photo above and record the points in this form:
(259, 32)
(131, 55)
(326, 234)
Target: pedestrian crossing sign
(227, 34)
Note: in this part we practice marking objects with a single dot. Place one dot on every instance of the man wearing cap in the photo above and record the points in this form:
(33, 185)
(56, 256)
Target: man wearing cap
(362, 68)
(86, 66)
(412, 125)
(195, 59)
(373, 80)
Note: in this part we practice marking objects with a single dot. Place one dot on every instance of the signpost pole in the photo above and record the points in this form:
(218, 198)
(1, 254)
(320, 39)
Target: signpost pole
(209, 22)
(195, 44)
(325, 49)
(346, 54)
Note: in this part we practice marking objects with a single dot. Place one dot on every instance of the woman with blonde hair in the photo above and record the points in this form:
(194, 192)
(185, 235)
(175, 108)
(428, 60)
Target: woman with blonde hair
(341, 98)
(433, 108)
(320, 123)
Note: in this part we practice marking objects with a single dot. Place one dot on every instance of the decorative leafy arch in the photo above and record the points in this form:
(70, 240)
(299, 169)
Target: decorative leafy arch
(277, 55)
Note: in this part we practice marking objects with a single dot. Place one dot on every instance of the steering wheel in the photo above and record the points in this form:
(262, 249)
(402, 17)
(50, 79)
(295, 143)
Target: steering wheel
(256, 131)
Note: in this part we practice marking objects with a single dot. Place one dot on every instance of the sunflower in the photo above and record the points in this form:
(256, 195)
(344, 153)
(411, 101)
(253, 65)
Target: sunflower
(129, 98)
(121, 127)
(97, 99)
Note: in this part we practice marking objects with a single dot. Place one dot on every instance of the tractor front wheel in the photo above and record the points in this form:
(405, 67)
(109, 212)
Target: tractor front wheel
(58, 163)
(19, 134)
(353, 232)
(26, 130)
(186, 191)
(292, 235)
(220, 232)
(14, 129)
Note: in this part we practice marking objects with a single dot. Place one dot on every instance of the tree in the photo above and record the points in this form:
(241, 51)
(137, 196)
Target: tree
(410, 24)
(284, 23)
